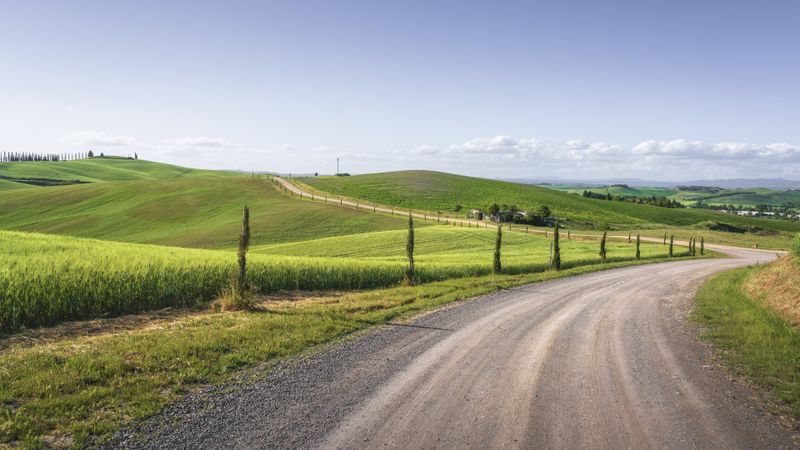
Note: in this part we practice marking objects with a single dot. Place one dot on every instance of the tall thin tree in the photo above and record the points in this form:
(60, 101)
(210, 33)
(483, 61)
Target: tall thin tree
(603, 247)
(671, 240)
(409, 277)
(702, 246)
(556, 262)
(638, 253)
(498, 242)
(244, 245)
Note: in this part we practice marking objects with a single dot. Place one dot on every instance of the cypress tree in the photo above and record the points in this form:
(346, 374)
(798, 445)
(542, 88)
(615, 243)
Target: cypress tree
(629, 237)
(498, 242)
(244, 244)
(603, 247)
(638, 254)
(702, 246)
(671, 239)
(665, 238)
(556, 263)
(410, 252)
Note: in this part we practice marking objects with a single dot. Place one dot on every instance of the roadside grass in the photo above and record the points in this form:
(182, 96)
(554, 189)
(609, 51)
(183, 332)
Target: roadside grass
(436, 191)
(47, 279)
(755, 341)
(79, 390)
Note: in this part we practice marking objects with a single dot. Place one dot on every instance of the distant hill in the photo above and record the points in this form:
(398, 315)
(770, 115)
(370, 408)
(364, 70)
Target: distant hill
(736, 183)
(432, 191)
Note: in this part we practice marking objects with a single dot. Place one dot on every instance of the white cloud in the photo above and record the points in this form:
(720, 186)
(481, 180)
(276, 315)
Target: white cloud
(678, 158)
(198, 141)
(99, 139)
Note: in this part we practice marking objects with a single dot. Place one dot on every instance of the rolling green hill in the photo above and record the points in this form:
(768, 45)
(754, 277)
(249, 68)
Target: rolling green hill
(635, 191)
(169, 205)
(742, 197)
(432, 191)
(749, 197)
(97, 169)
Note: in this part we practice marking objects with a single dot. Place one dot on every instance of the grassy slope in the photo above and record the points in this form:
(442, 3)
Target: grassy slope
(76, 388)
(97, 169)
(777, 286)
(756, 342)
(433, 191)
(6, 185)
(196, 209)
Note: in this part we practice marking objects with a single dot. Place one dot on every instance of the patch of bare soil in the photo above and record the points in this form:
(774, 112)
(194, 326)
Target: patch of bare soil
(777, 286)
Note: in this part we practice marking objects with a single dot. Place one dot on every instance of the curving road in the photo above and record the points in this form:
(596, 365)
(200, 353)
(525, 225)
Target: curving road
(602, 360)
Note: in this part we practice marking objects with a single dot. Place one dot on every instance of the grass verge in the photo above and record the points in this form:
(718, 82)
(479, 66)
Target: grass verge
(755, 342)
(79, 390)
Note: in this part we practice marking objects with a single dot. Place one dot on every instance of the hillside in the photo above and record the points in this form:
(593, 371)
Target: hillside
(434, 191)
(170, 205)
(749, 197)
(96, 169)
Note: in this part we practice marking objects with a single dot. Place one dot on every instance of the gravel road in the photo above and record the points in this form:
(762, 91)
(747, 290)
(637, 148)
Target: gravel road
(602, 360)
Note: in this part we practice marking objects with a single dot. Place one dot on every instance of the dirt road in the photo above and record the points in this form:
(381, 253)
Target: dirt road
(603, 360)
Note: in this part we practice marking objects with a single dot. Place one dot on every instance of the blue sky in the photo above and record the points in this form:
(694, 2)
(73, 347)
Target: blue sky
(657, 90)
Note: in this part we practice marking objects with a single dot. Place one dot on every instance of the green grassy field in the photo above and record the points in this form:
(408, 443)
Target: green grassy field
(6, 185)
(48, 279)
(201, 210)
(432, 191)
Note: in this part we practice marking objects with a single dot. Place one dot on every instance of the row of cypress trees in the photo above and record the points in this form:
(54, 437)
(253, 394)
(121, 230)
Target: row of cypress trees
(240, 290)
(555, 262)
(20, 156)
